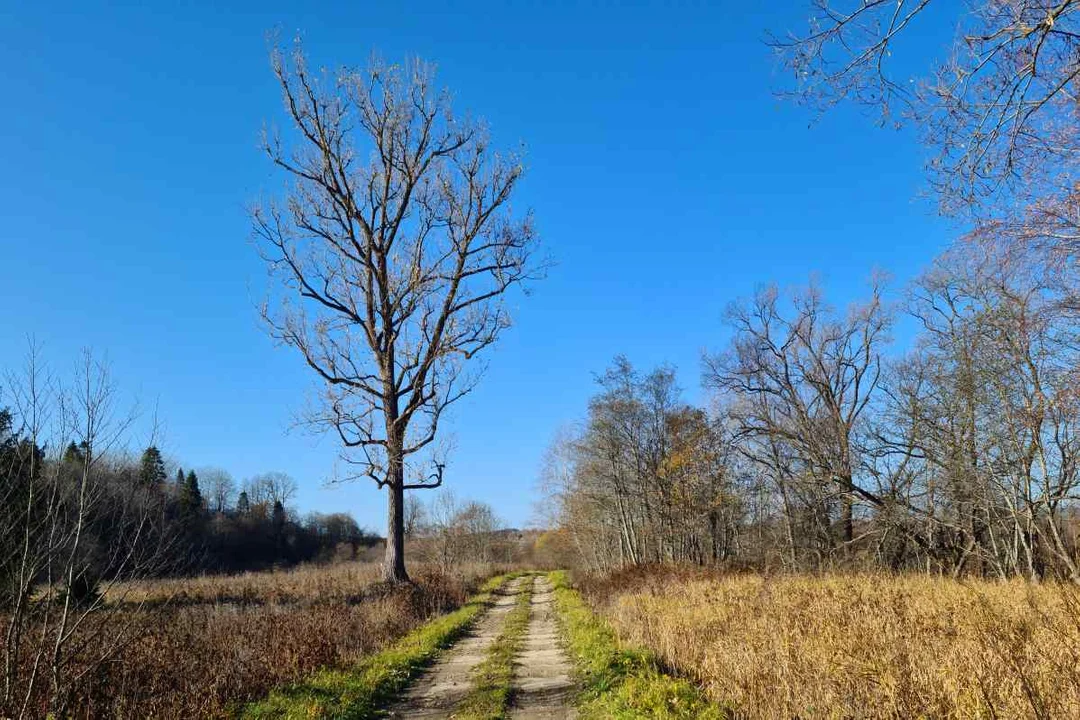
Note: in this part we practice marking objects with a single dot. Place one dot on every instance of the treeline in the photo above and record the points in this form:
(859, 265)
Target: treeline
(213, 531)
(824, 447)
(71, 493)
(252, 529)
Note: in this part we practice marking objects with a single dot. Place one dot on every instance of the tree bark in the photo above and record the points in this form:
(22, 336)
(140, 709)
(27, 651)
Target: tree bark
(847, 514)
(394, 567)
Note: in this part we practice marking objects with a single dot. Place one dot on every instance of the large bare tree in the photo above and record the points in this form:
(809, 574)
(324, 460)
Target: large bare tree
(394, 243)
(803, 380)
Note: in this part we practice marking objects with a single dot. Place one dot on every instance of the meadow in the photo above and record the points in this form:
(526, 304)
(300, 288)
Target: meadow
(204, 646)
(855, 645)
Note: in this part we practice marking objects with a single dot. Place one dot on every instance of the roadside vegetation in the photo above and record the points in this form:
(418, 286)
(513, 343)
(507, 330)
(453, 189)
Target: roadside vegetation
(890, 646)
(357, 692)
(618, 680)
(205, 659)
(491, 692)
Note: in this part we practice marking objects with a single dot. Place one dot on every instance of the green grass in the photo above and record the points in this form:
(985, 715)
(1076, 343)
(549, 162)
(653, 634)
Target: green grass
(490, 694)
(359, 692)
(619, 682)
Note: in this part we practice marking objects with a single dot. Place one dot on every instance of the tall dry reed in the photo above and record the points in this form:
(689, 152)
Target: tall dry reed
(859, 646)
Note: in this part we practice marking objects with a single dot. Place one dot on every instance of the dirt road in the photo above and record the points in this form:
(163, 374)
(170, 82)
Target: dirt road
(542, 684)
(542, 687)
(437, 692)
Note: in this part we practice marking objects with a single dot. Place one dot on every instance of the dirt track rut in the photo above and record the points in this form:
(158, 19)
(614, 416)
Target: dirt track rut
(439, 690)
(542, 683)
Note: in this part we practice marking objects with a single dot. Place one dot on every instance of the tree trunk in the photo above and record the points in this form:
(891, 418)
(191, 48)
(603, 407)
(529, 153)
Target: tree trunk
(847, 515)
(394, 566)
(847, 501)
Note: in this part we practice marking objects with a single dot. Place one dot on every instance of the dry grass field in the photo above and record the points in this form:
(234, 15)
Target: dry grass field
(873, 646)
(342, 582)
(201, 647)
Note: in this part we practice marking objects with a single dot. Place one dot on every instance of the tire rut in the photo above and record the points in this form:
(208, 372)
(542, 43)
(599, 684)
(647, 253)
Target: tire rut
(441, 687)
(543, 686)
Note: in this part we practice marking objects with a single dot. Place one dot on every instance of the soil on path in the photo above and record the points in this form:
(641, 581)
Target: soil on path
(543, 687)
(439, 690)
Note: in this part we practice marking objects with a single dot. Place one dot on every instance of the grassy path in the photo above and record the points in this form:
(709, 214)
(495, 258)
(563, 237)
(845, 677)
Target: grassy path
(490, 695)
(444, 686)
(617, 681)
(358, 692)
(527, 648)
(543, 684)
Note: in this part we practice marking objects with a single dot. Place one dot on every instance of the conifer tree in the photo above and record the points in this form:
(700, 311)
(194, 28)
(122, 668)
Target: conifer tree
(243, 503)
(152, 471)
(75, 454)
(190, 497)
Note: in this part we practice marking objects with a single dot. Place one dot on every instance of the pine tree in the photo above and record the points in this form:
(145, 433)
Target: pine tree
(190, 497)
(75, 454)
(152, 472)
(243, 503)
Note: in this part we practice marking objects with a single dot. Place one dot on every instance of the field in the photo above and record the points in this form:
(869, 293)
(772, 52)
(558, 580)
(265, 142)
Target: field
(856, 645)
(201, 647)
(659, 642)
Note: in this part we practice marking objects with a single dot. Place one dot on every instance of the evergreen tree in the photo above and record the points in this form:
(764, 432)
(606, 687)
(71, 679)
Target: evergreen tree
(277, 525)
(7, 436)
(243, 503)
(152, 471)
(190, 496)
(180, 480)
(75, 454)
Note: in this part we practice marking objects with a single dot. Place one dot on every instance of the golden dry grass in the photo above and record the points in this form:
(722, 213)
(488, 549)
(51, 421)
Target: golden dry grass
(307, 582)
(338, 583)
(860, 646)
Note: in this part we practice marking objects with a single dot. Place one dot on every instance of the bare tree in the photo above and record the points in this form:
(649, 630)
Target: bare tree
(646, 479)
(999, 108)
(478, 523)
(220, 488)
(962, 456)
(802, 381)
(998, 359)
(443, 530)
(63, 479)
(415, 515)
(394, 245)
(457, 532)
(274, 488)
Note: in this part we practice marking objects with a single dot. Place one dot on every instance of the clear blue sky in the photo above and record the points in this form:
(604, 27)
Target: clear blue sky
(666, 180)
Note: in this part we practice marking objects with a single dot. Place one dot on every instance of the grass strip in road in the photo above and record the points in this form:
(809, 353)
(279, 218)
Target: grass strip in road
(490, 694)
(621, 682)
(358, 692)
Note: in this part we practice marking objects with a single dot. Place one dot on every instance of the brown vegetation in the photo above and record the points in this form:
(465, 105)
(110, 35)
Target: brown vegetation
(866, 645)
(214, 643)
(304, 584)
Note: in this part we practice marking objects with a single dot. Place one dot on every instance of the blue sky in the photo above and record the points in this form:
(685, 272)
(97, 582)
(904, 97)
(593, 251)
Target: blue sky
(666, 179)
